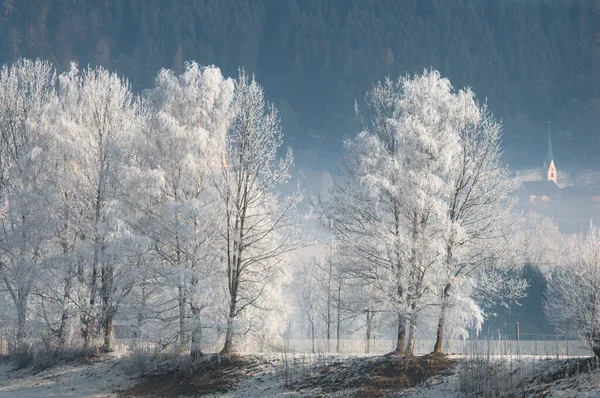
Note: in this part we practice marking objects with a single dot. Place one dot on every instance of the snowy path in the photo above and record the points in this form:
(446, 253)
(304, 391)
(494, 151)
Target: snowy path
(99, 379)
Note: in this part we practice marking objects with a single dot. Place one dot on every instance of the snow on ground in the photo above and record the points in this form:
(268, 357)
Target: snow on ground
(267, 379)
(99, 379)
(339, 376)
(263, 384)
(538, 379)
(106, 377)
(583, 385)
(438, 387)
(266, 383)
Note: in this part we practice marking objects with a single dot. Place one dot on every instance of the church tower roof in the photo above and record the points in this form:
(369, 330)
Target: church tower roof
(549, 169)
(550, 153)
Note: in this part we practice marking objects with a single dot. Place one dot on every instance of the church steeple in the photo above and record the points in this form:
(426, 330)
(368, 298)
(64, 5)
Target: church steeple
(549, 167)
(550, 153)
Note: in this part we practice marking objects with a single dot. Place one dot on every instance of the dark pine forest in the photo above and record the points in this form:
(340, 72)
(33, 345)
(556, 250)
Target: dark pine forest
(531, 59)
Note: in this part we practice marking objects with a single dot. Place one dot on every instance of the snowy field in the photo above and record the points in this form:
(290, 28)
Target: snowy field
(101, 378)
(302, 375)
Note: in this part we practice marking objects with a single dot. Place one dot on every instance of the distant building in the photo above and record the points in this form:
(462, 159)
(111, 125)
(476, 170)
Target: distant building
(572, 207)
(540, 193)
(549, 169)
(537, 193)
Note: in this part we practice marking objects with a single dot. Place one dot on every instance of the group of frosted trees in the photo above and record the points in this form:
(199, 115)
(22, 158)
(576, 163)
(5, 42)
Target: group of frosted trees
(159, 210)
(422, 216)
(159, 215)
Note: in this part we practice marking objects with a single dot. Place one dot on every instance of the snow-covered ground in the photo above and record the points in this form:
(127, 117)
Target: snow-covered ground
(100, 378)
(540, 377)
(527, 376)
(263, 384)
(107, 377)
(583, 384)
(438, 387)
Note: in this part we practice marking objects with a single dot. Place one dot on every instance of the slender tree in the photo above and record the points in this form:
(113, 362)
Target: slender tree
(103, 119)
(184, 140)
(260, 226)
(479, 205)
(26, 90)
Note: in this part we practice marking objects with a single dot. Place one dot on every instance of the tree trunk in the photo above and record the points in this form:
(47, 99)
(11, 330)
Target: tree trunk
(228, 346)
(181, 304)
(339, 321)
(596, 350)
(328, 320)
(62, 330)
(87, 333)
(595, 343)
(108, 332)
(401, 336)
(412, 332)
(108, 309)
(234, 271)
(414, 263)
(328, 337)
(337, 336)
(368, 325)
(19, 297)
(21, 324)
(312, 335)
(196, 351)
(442, 319)
(138, 333)
(68, 280)
(89, 318)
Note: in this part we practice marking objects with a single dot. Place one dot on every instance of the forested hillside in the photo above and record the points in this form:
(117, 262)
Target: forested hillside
(531, 60)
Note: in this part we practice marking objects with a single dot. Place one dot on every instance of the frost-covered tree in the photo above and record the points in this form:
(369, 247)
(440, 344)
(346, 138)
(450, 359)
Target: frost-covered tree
(478, 204)
(26, 90)
(538, 238)
(330, 282)
(56, 307)
(573, 293)
(305, 289)
(184, 144)
(425, 194)
(259, 226)
(101, 120)
(389, 212)
(169, 199)
(429, 141)
(329, 299)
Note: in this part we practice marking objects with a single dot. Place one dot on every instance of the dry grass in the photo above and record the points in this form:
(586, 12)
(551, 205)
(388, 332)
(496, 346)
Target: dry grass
(378, 376)
(210, 375)
(363, 377)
